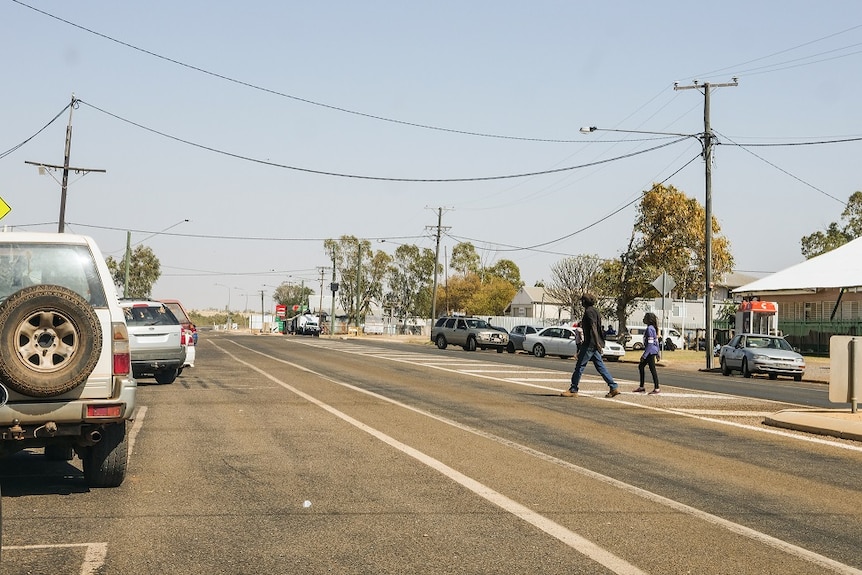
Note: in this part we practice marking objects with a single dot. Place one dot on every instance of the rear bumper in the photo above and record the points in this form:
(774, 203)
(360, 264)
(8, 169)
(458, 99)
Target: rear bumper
(68, 417)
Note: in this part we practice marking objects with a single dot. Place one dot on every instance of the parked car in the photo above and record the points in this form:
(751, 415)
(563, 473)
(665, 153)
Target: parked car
(558, 340)
(672, 339)
(563, 341)
(753, 353)
(182, 316)
(517, 335)
(468, 332)
(155, 340)
(64, 354)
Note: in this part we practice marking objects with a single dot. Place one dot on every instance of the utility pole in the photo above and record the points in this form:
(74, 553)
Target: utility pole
(440, 229)
(320, 306)
(65, 167)
(334, 287)
(707, 143)
(358, 281)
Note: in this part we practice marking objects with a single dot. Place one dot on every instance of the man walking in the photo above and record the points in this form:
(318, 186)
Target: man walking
(591, 349)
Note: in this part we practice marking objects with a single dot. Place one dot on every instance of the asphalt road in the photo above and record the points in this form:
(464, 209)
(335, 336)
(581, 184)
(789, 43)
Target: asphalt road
(310, 455)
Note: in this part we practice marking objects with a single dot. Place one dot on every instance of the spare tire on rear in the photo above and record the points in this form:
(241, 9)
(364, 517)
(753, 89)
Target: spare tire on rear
(50, 340)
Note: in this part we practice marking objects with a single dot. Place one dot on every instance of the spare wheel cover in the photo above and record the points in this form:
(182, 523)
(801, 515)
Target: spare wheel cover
(51, 340)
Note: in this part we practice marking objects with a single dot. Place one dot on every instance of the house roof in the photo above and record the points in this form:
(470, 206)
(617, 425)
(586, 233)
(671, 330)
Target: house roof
(839, 268)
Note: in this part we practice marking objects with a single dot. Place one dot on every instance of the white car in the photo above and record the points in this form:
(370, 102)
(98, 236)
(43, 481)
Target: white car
(562, 341)
(558, 340)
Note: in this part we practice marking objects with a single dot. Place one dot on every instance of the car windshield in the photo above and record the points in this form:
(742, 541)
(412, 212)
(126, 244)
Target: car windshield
(768, 343)
(65, 265)
(477, 324)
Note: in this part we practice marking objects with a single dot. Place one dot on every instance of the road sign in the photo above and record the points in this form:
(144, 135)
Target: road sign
(4, 208)
(295, 307)
(664, 283)
(280, 310)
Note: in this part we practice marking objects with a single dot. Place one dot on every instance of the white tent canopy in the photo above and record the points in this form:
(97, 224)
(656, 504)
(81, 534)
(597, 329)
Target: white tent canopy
(839, 268)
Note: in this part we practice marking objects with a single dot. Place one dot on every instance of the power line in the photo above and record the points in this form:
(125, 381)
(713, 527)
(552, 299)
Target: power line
(381, 178)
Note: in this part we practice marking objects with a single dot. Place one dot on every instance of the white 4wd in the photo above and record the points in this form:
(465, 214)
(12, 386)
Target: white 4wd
(64, 354)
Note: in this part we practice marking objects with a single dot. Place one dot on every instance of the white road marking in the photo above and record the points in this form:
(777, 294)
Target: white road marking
(577, 542)
(94, 554)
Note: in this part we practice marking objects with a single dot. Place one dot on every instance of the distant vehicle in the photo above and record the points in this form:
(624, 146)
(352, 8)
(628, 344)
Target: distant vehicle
(304, 324)
(517, 335)
(671, 340)
(155, 340)
(753, 353)
(180, 313)
(471, 333)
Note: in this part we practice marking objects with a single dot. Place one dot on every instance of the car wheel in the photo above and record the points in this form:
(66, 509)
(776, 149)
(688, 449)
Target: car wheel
(773, 376)
(745, 371)
(539, 350)
(637, 346)
(441, 342)
(104, 462)
(56, 337)
(724, 369)
(511, 347)
(797, 377)
(166, 376)
(500, 350)
(471, 344)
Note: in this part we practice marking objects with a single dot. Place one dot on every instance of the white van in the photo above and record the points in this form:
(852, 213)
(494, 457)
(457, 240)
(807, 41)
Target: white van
(636, 333)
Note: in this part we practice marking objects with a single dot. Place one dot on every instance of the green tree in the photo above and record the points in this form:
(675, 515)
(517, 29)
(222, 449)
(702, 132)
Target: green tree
(289, 295)
(668, 236)
(508, 271)
(409, 278)
(144, 271)
(836, 235)
(361, 271)
(465, 260)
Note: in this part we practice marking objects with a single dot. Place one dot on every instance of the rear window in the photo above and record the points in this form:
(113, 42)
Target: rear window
(178, 312)
(69, 266)
(149, 315)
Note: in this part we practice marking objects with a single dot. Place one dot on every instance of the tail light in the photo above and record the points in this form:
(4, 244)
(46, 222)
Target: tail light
(120, 349)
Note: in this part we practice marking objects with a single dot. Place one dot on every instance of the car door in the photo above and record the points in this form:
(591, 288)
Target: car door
(734, 353)
(567, 343)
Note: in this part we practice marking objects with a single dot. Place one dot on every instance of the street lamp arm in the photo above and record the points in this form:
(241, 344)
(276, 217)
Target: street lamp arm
(589, 129)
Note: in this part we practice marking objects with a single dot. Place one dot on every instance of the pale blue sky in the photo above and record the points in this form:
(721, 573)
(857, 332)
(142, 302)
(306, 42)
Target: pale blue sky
(309, 85)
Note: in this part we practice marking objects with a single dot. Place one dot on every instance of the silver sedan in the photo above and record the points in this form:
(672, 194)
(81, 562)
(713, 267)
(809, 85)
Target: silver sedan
(753, 353)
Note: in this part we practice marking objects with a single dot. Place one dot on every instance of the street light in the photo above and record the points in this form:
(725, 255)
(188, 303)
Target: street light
(129, 251)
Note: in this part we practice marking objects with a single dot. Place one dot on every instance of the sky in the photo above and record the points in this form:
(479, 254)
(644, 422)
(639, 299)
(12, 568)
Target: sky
(272, 126)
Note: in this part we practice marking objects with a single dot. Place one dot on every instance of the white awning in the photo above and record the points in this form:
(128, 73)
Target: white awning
(839, 268)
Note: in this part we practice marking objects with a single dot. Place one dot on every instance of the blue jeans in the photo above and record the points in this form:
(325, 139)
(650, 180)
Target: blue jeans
(585, 354)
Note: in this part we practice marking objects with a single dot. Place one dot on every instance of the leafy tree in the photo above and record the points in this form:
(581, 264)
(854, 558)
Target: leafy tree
(668, 236)
(836, 235)
(289, 294)
(465, 260)
(361, 271)
(409, 277)
(508, 271)
(144, 271)
(492, 298)
(571, 277)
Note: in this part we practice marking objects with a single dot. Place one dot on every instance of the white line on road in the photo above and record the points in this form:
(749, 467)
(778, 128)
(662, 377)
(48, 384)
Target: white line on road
(532, 517)
(94, 554)
(577, 542)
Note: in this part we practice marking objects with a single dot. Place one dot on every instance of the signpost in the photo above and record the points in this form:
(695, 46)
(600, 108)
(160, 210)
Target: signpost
(664, 284)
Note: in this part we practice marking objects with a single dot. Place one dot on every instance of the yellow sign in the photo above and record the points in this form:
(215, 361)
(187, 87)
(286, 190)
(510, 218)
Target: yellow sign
(4, 209)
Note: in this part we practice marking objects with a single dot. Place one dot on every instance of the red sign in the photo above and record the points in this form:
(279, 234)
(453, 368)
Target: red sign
(295, 307)
(280, 310)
